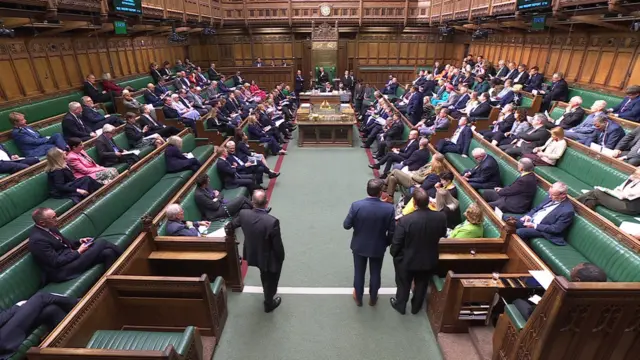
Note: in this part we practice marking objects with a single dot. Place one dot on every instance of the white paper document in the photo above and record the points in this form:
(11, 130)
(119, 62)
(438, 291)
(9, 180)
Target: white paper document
(543, 277)
(601, 149)
(630, 228)
(535, 299)
(127, 152)
(218, 233)
(279, 122)
(498, 212)
(188, 155)
(98, 132)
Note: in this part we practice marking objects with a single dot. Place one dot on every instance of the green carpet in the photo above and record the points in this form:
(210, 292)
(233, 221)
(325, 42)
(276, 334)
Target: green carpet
(311, 198)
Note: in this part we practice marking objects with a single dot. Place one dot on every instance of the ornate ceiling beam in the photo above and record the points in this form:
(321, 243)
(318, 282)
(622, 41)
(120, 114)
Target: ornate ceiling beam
(67, 26)
(597, 21)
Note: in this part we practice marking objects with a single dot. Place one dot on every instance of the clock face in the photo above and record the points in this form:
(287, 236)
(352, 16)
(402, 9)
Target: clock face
(325, 10)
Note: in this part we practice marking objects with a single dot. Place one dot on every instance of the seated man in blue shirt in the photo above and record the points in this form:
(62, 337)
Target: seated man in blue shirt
(29, 141)
(177, 226)
(629, 107)
(550, 220)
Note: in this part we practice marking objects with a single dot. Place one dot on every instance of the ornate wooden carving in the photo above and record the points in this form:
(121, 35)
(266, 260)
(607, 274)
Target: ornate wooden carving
(324, 32)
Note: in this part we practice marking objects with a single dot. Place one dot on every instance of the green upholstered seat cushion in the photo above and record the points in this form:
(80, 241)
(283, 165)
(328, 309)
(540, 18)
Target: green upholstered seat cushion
(438, 282)
(142, 340)
(561, 259)
(234, 193)
(557, 112)
(516, 318)
(526, 102)
(615, 217)
(78, 286)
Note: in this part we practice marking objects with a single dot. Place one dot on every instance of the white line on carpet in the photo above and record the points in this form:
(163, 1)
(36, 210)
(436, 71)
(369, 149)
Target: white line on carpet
(317, 290)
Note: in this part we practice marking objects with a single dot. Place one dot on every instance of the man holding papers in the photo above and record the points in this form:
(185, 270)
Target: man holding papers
(624, 199)
(177, 226)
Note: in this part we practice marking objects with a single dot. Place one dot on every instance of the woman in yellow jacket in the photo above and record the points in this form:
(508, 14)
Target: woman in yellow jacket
(472, 227)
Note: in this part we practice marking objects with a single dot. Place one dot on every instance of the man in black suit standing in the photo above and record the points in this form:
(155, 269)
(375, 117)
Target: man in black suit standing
(486, 174)
(415, 251)
(559, 92)
(347, 81)
(373, 223)
(21, 319)
(299, 84)
(263, 246)
(62, 259)
(72, 125)
(516, 198)
(323, 78)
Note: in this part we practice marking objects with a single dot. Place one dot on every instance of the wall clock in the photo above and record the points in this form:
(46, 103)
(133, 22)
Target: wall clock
(325, 10)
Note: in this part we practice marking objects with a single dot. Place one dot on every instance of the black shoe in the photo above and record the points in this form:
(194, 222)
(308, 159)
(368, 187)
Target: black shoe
(374, 166)
(395, 306)
(274, 304)
(273, 175)
(415, 311)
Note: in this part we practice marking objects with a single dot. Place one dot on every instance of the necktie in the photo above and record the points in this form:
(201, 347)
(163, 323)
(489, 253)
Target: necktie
(113, 145)
(151, 119)
(624, 107)
(79, 121)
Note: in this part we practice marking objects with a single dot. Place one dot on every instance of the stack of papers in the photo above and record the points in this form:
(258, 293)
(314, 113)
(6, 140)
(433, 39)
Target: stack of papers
(218, 233)
(136, 152)
(188, 155)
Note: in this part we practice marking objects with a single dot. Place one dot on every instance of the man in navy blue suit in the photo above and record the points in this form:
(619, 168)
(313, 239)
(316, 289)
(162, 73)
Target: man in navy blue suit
(398, 155)
(629, 107)
(550, 220)
(230, 177)
(415, 105)
(486, 174)
(534, 82)
(11, 163)
(517, 197)
(459, 142)
(95, 120)
(373, 224)
(29, 141)
(391, 87)
(20, 320)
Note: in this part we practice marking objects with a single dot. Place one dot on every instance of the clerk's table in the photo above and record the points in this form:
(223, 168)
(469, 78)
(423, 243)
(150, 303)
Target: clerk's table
(325, 124)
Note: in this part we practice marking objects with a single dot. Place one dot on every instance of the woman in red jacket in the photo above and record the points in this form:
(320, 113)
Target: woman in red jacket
(109, 85)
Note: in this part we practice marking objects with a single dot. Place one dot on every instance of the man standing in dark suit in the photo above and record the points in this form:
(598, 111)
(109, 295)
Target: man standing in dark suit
(10, 163)
(398, 155)
(95, 120)
(93, 92)
(263, 246)
(323, 78)
(517, 197)
(486, 174)
(347, 81)
(459, 142)
(526, 142)
(559, 92)
(19, 321)
(415, 251)
(299, 87)
(62, 259)
(550, 220)
(415, 105)
(72, 125)
(109, 153)
(373, 224)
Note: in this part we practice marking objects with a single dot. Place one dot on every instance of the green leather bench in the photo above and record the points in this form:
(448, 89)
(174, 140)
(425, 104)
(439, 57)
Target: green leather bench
(490, 229)
(18, 202)
(142, 340)
(191, 211)
(517, 319)
(526, 102)
(579, 171)
(45, 131)
(590, 96)
(114, 218)
(137, 83)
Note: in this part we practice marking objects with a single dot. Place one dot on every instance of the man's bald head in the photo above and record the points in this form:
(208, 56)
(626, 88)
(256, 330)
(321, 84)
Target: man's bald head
(259, 199)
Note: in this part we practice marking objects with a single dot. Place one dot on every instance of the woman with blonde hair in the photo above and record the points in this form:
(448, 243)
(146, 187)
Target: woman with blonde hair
(62, 183)
(551, 151)
(472, 227)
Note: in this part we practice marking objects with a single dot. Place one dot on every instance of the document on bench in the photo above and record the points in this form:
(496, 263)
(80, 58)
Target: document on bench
(630, 228)
(601, 149)
(98, 132)
(266, 128)
(127, 152)
(218, 233)
(188, 155)
(498, 212)
(543, 277)
(151, 136)
(279, 122)
(611, 192)
(535, 299)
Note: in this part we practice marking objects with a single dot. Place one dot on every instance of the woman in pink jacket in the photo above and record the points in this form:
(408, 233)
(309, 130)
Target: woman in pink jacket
(83, 165)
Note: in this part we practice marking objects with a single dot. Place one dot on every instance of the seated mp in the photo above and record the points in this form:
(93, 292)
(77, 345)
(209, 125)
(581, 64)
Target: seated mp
(63, 259)
(418, 159)
(173, 109)
(20, 320)
(83, 165)
(583, 272)
(95, 120)
(212, 204)
(91, 89)
(129, 102)
(411, 179)
(73, 126)
(624, 199)
(152, 98)
(391, 133)
(472, 227)
(524, 143)
(397, 155)
(586, 132)
(459, 142)
(628, 149)
(252, 162)
(519, 126)
(29, 141)
(148, 118)
(550, 220)
(517, 197)
(109, 153)
(177, 226)
(177, 161)
(629, 107)
(257, 132)
(572, 117)
(11, 163)
(549, 153)
(486, 174)
(242, 167)
(245, 153)
(231, 178)
(110, 86)
(62, 183)
(441, 122)
(444, 193)
(609, 133)
(503, 125)
(140, 137)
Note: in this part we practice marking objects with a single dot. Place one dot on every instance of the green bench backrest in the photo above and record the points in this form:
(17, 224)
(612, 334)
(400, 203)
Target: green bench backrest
(400, 92)
(137, 83)
(19, 282)
(590, 96)
(22, 197)
(188, 143)
(121, 141)
(405, 131)
(142, 340)
(526, 102)
(490, 230)
(620, 263)
(39, 110)
(556, 113)
(589, 170)
(230, 83)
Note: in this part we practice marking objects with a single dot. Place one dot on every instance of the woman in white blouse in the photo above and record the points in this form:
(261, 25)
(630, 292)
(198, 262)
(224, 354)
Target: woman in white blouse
(551, 151)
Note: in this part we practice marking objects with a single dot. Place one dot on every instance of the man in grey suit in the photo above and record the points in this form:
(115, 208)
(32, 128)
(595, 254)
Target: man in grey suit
(628, 149)
(193, 96)
(263, 246)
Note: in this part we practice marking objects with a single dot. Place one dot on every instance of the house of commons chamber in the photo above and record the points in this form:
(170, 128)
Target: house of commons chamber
(320, 179)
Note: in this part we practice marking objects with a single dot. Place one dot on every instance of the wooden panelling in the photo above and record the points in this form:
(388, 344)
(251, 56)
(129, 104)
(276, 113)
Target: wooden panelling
(36, 67)
(596, 59)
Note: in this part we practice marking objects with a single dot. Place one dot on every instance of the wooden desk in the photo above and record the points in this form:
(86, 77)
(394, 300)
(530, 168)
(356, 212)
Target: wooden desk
(320, 133)
(188, 255)
(318, 99)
